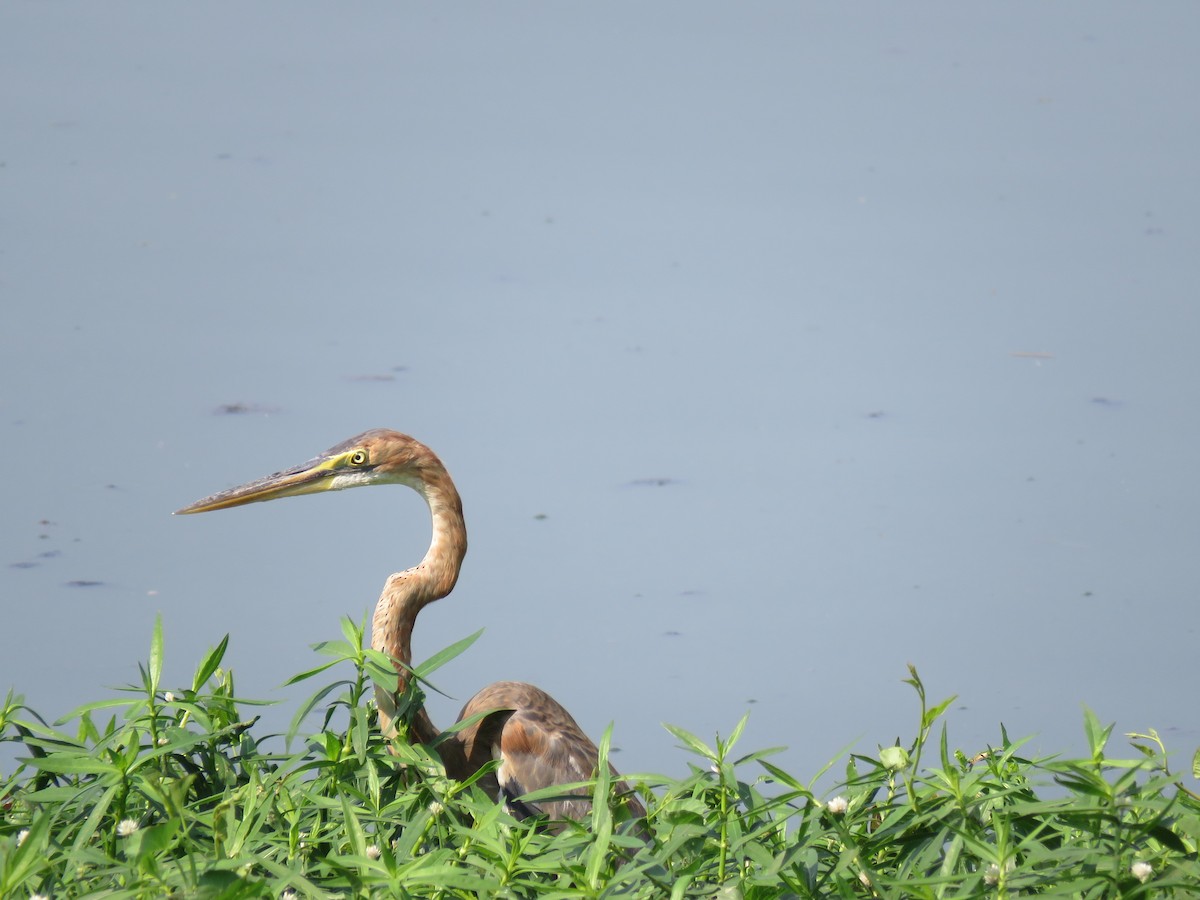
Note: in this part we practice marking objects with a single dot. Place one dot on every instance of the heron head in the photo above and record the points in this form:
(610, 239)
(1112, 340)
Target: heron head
(379, 456)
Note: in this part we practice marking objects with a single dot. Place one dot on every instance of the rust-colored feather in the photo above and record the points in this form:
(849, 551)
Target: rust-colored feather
(539, 744)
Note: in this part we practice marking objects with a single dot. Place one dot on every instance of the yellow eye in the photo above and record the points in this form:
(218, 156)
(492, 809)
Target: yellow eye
(358, 458)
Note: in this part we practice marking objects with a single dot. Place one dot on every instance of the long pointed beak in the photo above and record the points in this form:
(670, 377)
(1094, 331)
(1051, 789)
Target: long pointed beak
(311, 477)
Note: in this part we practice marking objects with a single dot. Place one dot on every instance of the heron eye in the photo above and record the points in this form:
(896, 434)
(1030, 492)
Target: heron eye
(358, 458)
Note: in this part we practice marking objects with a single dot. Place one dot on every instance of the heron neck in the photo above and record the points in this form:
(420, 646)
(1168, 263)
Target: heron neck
(407, 593)
(438, 571)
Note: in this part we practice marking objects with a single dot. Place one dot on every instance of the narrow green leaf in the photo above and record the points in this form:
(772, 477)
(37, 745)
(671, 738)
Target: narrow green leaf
(342, 650)
(210, 664)
(1097, 734)
(353, 633)
(309, 705)
(692, 742)
(354, 829)
(380, 667)
(73, 765)
(602, 822)
(442, 657)
(783, 777)
(28, 858)
(304, 676)
(81, 711)
(151, 841)
(96, 813)
(737, 731)
(680, 888)
(932, 715)
(757, 755)
(156, 656)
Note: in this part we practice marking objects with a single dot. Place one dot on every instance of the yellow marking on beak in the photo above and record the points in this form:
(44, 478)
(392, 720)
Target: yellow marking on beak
(310, 478)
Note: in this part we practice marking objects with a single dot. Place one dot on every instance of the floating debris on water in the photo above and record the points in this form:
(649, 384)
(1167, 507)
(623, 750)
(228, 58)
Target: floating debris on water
(84, 583)
(1031, 354)
(652, 482)
(244, 409)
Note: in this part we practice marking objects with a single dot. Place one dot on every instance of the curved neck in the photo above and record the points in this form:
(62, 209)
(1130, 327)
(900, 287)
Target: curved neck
(407, 593)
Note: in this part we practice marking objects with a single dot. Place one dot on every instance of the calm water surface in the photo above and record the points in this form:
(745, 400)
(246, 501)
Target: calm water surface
(771, 348)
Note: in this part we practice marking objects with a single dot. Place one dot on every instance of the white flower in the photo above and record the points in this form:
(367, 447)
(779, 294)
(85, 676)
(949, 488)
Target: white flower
(838, 805)
(21, 835)
(38, 897)
(169, 696)
(1142, 870)
(287, 895)
(992, 875)
(373, 852)
(162, 741)
(126, 827)
(435, 808)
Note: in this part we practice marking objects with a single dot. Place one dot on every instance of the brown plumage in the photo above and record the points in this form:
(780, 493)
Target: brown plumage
(535, 739)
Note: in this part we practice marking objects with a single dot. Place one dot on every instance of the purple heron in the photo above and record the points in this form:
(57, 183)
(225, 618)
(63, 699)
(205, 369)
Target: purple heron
(536, 741)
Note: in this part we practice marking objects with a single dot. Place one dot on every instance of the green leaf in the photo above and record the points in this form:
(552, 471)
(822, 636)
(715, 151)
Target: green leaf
(80, 711)
(737, 731)
(602, 821)
(380, 667)
(151, 841)
(96, 813)
(339, 649)
(1097, 734)
(220, 885)
(353, 633)
(209, 665)
(692, 742)
(354, 829)
(442, 657)
(932, 715)
(784, 778)
(758, 755)
(309, 705)
(73, 765)
(304, 676)
(156, 656)
(27, 859)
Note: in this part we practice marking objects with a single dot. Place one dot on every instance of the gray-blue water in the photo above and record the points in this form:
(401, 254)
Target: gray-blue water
(901, 303)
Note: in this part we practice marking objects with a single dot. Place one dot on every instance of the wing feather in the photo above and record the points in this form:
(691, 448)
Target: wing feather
(539, 745)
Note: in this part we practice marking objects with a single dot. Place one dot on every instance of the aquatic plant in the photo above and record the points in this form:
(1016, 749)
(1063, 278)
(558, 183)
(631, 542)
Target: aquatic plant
(162, 792)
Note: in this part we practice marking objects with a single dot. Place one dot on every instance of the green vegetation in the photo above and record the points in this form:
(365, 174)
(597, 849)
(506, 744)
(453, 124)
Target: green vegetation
(171, 793)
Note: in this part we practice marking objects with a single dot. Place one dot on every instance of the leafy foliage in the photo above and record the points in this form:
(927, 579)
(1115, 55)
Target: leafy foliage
(171, 793)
